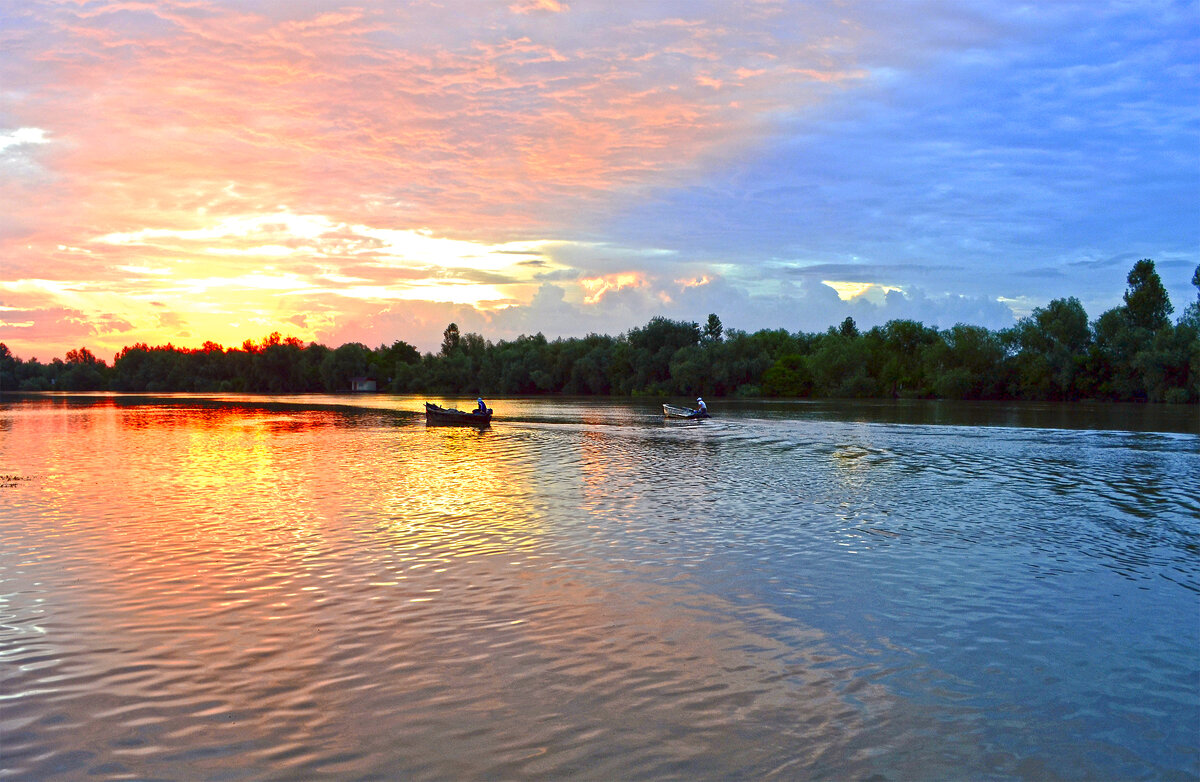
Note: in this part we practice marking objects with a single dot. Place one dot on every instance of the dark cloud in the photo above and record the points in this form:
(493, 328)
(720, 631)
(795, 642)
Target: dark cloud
(482, 276)
(1119, 261)
(558, 275)
(862, 272)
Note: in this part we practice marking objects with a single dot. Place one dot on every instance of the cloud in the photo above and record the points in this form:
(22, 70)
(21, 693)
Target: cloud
(22, 136)
(989, 148)
(598, 287)
(29, 328)
(804, 306)
(534, 6)
(366, 113)
(262, 166)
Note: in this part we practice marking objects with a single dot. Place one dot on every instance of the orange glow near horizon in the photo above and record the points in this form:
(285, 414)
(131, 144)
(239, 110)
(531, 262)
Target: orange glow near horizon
(598, 287)
(848, 291)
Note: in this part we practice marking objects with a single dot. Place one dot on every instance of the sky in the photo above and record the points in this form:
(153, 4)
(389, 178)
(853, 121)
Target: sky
(187, 171)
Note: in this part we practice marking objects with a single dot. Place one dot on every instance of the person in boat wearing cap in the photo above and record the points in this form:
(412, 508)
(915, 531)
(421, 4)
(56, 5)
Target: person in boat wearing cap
(480, 407)
(700, 406)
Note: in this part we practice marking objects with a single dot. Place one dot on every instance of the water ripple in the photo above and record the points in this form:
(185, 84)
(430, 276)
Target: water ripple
(297, 589)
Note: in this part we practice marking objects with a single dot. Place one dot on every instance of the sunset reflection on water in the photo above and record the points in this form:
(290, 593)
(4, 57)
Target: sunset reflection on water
(328, 588)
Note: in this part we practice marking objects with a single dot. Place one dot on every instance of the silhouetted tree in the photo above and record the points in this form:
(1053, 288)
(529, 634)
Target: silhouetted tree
(348, 361)
(713, 329)
(450, 339)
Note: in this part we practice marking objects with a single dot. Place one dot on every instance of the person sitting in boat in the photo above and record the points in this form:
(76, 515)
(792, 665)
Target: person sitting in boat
(480, 407)
(701, 407)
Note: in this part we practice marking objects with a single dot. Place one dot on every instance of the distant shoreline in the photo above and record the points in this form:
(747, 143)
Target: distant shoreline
(1131, 353)
(1132, 417)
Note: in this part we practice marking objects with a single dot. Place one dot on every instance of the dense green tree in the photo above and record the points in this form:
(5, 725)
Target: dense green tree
(966, 363)
(690, 372)
(789, 376)
(841, 367)
(1131, 352)
(1051, 350)
(713, 330)
(1189, 328)
(903, 370)
(348, 361)
(592, 371)
(518, 367)
(82, 372)
(1147, 305)
(654, 344)
(1138, 354)
(8, 369)
(390, 361)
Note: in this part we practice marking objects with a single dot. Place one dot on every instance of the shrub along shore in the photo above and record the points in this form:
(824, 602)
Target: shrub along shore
(1133, 352)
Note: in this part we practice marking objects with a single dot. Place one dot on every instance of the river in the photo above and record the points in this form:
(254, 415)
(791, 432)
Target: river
(320, 587)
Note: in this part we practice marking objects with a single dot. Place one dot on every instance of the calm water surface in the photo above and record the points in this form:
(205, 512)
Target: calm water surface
(327, 588)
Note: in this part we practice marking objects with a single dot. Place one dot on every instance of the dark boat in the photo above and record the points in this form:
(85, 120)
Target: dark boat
(435, 414)
(671, 411)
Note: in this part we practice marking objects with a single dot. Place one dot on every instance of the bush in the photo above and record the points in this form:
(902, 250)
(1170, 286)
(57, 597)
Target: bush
(1177, 396)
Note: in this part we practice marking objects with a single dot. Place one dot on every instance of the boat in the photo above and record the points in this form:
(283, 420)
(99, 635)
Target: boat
(435, 414)
(671, 411)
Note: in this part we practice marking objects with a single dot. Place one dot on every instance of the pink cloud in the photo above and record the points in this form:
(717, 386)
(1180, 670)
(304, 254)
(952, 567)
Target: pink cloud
(318, 114)
(534, 6)
(523, 120)
(598, 287)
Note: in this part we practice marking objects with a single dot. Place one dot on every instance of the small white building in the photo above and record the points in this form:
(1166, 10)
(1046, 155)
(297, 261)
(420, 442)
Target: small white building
(362, 384)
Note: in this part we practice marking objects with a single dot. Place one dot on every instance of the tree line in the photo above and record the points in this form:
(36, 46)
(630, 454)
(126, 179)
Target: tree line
(1133, 352)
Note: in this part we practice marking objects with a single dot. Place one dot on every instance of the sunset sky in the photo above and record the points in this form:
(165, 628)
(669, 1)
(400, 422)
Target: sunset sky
(202, 170)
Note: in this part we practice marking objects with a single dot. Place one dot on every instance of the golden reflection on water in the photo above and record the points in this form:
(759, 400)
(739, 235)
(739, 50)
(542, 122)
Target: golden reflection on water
(226, 547)
(455, 474)
(604, 472)
(457, 490)
(349, 593)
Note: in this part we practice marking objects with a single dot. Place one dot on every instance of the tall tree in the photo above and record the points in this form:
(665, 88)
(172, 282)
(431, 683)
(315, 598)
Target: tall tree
(713, 328)
(1147, 305)
(450, 339)
(9, 369)
(1052, 347)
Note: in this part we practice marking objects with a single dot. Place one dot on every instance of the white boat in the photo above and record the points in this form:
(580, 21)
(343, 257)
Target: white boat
(671, 411)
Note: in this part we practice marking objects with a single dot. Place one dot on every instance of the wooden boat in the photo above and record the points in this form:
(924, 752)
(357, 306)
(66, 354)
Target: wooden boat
(435, 414)
(671, 411)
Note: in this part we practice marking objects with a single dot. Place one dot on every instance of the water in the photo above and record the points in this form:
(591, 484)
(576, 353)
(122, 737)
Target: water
(326, 588)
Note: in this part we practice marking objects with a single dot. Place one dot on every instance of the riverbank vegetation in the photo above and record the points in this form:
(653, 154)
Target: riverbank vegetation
(1133, 352)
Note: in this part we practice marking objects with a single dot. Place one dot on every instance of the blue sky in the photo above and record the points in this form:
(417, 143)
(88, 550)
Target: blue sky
(1035, 159)
(201, 170)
